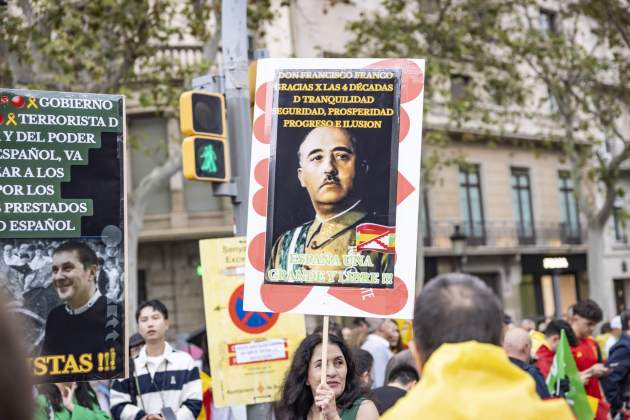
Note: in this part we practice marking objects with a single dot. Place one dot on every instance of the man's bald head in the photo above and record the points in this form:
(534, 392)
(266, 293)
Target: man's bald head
(454, 308)
(517, 344)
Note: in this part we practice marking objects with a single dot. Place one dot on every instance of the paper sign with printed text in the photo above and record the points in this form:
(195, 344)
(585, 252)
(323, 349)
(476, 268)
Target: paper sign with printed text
(63, 230)
(334, 187)
(250, 352)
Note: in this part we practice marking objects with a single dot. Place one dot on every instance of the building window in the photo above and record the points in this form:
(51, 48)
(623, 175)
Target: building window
(569, 215)
(547, 21)
(619, 226)
(522, 206)
(470, 204)
(460, 84)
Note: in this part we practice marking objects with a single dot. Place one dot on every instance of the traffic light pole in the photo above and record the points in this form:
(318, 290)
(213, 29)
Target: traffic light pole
(234, 41)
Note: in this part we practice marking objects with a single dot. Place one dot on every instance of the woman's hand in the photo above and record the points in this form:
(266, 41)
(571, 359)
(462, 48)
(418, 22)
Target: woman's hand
(325, 401)
(67, 395)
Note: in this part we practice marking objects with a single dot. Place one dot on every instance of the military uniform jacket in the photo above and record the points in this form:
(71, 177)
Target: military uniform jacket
(319, 251)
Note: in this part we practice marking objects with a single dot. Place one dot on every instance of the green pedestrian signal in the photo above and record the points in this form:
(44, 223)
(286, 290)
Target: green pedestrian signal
(208, 159)
(204, 159)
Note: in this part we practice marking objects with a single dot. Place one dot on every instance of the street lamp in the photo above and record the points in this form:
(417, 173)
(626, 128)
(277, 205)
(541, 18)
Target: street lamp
(458, 242)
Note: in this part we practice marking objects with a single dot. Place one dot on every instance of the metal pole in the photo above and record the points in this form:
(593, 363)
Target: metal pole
(234, 41)
(420, 280)
(556, 294)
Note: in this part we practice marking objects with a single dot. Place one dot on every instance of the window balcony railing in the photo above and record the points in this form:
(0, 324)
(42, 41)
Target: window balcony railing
(176, 57)
(570, 234)
(504, 235)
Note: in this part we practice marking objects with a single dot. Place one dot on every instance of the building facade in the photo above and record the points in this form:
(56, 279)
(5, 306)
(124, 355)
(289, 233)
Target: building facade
(511, 199)
(517, 212)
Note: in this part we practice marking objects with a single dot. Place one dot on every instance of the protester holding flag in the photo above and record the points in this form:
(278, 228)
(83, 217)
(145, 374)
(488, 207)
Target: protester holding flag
(303, 397)
(565, 381)
(587, 354)
(546, 352)
(617, 383)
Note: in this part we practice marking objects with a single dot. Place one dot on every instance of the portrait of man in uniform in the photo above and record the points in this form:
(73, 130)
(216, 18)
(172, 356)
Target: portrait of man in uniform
(334, 172)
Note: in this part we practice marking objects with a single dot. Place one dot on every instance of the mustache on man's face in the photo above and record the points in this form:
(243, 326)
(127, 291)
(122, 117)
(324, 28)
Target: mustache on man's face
(330, 179)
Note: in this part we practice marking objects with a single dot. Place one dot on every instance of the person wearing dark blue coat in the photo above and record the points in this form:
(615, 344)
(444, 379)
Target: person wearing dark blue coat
(617, 382)
(518, 345)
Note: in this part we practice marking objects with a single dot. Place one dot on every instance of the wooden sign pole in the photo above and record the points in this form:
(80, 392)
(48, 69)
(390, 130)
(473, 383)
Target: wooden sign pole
(324, 354)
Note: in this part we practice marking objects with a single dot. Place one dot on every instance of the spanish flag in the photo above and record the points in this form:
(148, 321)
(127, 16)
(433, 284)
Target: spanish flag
(373, 237)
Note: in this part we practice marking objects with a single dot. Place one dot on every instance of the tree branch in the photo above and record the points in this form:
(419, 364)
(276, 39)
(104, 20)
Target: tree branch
(613, 18)
(158, 175)
(211, 48)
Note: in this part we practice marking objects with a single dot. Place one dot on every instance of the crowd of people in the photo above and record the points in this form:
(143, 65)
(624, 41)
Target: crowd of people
(466, 360)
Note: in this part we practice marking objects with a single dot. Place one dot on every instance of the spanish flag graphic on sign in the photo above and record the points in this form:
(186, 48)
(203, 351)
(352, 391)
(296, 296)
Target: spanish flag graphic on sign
(373, 237)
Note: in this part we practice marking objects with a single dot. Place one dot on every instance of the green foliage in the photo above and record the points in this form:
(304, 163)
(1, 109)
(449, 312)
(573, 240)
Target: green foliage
(140, 48)
(93, 46)
(515, 69)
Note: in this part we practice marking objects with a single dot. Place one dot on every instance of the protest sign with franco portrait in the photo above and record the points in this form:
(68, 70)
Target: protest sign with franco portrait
(62, 230)
(328, 152)
(332, 162)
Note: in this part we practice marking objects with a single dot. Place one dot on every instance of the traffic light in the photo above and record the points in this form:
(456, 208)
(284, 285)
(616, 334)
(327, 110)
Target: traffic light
(202, 113)
(205, 152)
(204, 159)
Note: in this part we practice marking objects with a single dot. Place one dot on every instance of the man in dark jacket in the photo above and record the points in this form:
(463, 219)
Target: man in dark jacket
(617, 383)
(518, 345)
(401, 379)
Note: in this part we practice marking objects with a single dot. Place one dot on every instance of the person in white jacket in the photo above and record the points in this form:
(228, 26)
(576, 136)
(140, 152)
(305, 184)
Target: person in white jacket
(164, 384)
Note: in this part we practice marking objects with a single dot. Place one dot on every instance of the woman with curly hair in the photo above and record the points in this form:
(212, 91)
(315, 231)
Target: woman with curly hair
(340, 398)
